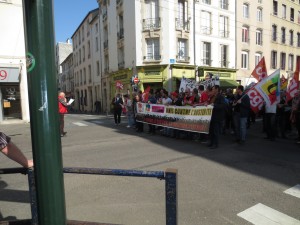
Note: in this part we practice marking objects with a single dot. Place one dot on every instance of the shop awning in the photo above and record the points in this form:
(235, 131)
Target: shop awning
(228, 84)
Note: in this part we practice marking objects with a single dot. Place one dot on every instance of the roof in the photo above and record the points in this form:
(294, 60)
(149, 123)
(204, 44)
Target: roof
(94, 13)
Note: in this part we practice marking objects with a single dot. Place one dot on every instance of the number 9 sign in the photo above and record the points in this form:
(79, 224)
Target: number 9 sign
(3, 74)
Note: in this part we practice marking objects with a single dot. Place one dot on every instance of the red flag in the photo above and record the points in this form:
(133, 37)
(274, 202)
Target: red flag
(293, 85)
(145, 94)
(256, 100)
(260, 71)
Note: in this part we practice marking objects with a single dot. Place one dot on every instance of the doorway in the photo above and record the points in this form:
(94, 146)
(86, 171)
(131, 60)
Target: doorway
(11, 102)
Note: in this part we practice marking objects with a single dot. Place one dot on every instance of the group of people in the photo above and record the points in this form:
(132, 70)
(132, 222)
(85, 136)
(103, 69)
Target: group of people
(231, 113)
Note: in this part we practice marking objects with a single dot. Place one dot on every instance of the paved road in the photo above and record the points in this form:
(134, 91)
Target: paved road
(257, 183)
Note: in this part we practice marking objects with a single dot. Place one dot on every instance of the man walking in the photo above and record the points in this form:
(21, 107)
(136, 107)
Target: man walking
(241, 110)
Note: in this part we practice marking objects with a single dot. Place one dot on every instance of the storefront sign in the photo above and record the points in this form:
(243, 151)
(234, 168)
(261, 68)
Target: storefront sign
(178, 117)
(152, 73)
(9, 75)
(120, 77)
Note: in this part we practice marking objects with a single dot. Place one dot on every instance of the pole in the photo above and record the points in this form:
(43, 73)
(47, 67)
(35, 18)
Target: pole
(43, 104)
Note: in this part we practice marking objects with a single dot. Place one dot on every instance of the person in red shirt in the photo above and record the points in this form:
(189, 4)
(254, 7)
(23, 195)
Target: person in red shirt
(204, 99)
(62, 108)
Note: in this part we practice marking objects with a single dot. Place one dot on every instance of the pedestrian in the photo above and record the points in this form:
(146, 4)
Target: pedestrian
(217, 117)
(9, 149)
(129, 110)
(151, 100)
(63, 109)
(97, 106)
(241, 109)
(117, 103)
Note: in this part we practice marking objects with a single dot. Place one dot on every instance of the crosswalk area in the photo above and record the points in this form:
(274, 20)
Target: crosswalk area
(261, 214)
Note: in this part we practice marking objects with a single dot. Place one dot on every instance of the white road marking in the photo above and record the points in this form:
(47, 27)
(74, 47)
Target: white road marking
(264, 215)
(294, 191)
(80, 124)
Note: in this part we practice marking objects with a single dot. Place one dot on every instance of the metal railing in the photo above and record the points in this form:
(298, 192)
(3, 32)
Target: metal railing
(151, 23)
(170, 177)
(180, 24)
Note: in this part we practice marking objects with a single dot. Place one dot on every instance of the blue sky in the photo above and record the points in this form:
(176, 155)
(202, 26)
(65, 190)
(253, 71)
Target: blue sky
(68, 14)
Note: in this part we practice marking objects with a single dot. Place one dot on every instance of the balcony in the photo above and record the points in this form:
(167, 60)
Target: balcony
(206, 30)
(121, 34)
(121, 65)
(182, 58)
(182, 25)
(151, 57)
(224, 64)
(206, 62)
(224, 33)
(151, 24)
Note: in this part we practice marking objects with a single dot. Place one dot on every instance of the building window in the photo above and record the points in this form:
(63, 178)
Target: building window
(152, 20)
(153, 49)
(275, 7)
(244, 60)
(283, 35)
(90, 73)
(224, 56)
(246, 10)
(121, 63)
(79, 56)
(82, 32)
(182, 50)
(206, 54)
(298, 39)
(206, 2)
(274, 32)
(259, 14)
(299, 16)
(206, 22)
(291, 62)
(223, 29)
(96, 44)
(224, 4)
(291, 37)
(84, 75)
(83, 53)
(259, 1)
(282, 60)
(273, 60)
(98, 68)
(89, 49)
(245, 34)
(292, 15)
(182, 22)
(258, 57)
(259, 36)
(96, 28)
(283, 11)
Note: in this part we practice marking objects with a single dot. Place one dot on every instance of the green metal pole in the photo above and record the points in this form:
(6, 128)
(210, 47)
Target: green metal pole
(43, 104)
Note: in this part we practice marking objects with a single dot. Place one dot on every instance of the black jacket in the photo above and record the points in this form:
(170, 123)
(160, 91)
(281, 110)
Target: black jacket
(218, 113)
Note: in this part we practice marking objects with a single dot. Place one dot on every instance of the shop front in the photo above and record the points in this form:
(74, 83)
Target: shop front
(154, 76)
(10, 96)
(178, 72)
(227, 76)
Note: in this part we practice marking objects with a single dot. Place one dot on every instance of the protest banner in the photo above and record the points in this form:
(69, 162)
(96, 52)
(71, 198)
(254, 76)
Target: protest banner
(178, 117)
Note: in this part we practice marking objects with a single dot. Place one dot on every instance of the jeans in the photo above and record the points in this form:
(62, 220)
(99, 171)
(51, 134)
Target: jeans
(240, 124)
(130, 118)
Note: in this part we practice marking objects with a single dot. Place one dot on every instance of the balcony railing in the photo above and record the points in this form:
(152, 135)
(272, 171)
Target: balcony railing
(224, 64)
(182, 58)
(182, 25)
(224, 33)
(121, 34)
(206, 30)
(151, 23)
(206, 62)
(151, 57)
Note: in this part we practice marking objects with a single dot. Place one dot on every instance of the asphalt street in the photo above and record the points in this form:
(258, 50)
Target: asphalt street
(234, 184)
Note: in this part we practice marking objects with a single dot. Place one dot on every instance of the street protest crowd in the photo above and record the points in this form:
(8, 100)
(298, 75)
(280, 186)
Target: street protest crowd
(232, 113)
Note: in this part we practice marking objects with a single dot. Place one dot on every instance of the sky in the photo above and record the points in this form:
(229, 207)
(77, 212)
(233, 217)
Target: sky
(68, 14)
